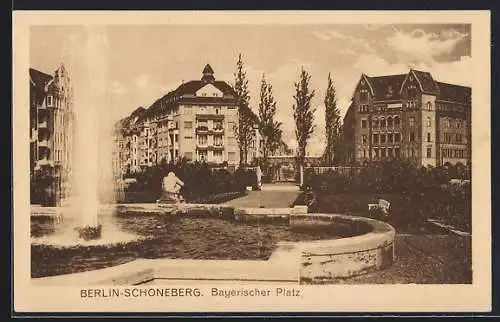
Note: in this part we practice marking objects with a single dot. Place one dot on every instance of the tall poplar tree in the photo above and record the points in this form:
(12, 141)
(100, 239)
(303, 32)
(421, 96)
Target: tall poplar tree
(270, 129)
(332, 124)
(303, 114)
(244, 128)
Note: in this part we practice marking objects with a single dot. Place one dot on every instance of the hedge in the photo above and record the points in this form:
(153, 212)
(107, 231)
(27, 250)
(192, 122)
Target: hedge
(200, 182)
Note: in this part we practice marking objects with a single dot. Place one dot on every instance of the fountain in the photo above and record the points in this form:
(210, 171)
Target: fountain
(86, 221)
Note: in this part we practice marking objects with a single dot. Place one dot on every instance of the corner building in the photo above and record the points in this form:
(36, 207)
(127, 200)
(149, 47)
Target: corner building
(409, 116)
(51, 135)
(196, 121)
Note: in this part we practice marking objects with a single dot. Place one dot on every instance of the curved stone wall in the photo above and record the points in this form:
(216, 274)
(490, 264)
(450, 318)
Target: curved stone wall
(370, 248)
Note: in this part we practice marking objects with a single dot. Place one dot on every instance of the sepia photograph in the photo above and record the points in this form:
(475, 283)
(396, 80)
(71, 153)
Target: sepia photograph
(251, 159)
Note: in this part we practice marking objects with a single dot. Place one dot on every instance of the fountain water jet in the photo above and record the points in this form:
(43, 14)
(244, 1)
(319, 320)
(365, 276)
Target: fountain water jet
(91, 162)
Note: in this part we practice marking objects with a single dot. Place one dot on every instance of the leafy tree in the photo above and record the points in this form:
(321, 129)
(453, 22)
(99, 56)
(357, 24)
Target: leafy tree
(270, 130)
(332, 124)
(303, 114)
(244, 128)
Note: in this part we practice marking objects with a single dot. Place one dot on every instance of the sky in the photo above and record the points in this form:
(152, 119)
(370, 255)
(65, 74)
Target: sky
(132, 66)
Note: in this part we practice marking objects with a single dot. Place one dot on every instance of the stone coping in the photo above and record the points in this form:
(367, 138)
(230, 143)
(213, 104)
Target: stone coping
(380, 235)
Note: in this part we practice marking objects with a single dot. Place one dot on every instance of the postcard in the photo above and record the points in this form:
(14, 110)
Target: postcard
(264, 161)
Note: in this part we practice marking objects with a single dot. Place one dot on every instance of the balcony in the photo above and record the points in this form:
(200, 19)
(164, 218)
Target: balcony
(202, 129)
(218, 129)
(44, 162)
(42, 124)
(219, 146)
(202, 145)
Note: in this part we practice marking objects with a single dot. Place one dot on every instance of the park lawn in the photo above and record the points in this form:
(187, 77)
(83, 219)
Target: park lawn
(408, 214)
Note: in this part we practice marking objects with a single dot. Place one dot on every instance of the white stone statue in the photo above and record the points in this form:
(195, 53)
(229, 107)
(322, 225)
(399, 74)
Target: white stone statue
(171, 188)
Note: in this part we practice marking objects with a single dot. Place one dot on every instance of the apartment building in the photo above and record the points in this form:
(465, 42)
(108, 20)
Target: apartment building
(410, 116)
(197, 121)
(51, 135)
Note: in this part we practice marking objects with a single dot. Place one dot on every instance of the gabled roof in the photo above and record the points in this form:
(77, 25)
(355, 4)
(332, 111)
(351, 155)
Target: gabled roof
(428, 85)
(387, 87)
(390, 87)
(39, 78)
(454, 93)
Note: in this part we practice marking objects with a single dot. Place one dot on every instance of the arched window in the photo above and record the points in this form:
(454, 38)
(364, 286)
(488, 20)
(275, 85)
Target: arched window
(396, 121)
(382, 122)
(389, 121)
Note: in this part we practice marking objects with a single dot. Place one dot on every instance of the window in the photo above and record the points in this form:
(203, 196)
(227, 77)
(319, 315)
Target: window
(389, 121)
(412, 121)
(459, 124)
(375, 152)
(390, 137)
(458, 138)
(412, 152)
(218, 156)
(188, 156)
(188, 124)
(375, 138)
(397, 121)
(363, 96)
(382, 122)
(217, 125)
(429, 106)
(397, 137)
(50, 100)
(363, 124)
(397, 152)
(202, 156)
(232, 141)
(382, 138)
(218, 140)
(429, 122)
(231, 156)
(382, 153)
(389, 152)
(363, 138)
(230, 125)
(429, 152)
(202, 140)
(364, 153)
(448, 123)
(412, 136)
(428, 137)
(375, 123)
(216, 109)
(188, 109)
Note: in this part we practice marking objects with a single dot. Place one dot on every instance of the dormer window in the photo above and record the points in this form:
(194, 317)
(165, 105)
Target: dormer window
(50, 100)
(363, 96)
(412, 92)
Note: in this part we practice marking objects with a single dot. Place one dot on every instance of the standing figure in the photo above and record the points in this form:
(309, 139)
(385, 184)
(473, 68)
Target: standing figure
(171, 188)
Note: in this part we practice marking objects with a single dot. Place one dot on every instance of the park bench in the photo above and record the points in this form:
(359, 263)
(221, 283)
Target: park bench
(382, 205)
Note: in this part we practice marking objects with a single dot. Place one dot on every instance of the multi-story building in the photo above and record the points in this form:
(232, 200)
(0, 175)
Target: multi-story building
(197, 121)
(51, 135)
(410, 116)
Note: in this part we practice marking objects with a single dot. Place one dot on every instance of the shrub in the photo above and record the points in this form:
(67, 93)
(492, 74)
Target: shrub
(200, 181)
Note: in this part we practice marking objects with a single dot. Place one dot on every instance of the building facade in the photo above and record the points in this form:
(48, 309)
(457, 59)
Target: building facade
(411, 116)
(197, 121)
(51, 135)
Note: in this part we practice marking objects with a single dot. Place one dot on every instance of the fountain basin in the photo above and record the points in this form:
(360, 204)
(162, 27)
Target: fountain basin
(316, 248)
